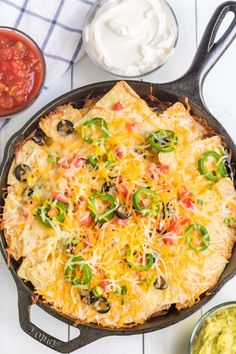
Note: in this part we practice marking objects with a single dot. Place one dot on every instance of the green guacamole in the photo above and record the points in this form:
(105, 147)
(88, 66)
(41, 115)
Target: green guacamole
(217, 334)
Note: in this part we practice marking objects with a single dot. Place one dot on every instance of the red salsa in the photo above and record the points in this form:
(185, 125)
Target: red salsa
(21, 71)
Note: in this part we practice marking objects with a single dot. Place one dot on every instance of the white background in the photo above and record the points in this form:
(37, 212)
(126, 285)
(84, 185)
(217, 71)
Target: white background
(220, 96)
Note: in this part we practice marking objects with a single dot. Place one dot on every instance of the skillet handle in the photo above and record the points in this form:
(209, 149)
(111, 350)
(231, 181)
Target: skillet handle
(87, 334)
(210, 51)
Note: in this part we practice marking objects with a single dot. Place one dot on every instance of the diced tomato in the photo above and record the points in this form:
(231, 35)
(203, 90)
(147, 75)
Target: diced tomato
(67, 192)
(184, 221)
(118, 221)
(170, 237)
(77, 161)
(163, 168)
(174, 225)
(185, 197)
(172, 228)
(6, 102)
(105, 283)
(3, 88)
(63, 162)
(184, 193)
(132, 127)
(120, 152)
(153, 171)
(6, 53)
(117, 106)
(19, 51)
(162, 225)
(25, 211)
(20, 99)
(81, 201)
(188, 203)
(59, 196)
(123, 190)
(88, 241)
(138, 215)
(156, 170)
(87, 221)
(122, 187)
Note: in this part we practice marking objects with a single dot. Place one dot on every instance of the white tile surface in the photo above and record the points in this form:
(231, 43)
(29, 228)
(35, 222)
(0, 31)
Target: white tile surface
(112, 345)
(172, 340)
(178, 64)
(219, 92)
(219, 88)
(13, 339)
(227, 293)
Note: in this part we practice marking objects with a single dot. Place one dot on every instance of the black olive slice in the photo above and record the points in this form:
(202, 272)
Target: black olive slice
(166, 208)
(140, 151)
(162, 210)
(21, 172)
(228, 167)
(170, 209)
(39, 137)
(102, 305)
(157, 105)
(122, 213)
(70, 246)
(160, 283)
(108, 187)
(65, 127)
(79, 104)
(30, 192)
(88, 297)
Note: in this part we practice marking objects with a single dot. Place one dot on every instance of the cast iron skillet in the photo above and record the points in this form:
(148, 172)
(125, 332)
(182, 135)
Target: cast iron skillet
(190, 85)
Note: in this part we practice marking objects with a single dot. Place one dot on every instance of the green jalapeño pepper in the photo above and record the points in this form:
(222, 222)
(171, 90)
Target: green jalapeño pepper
(108, 212)
(77, 272)
(220, 167)
(51, 212)
(107, 159)
(123, 290)
(163, 140)
(203, 233)
(86, 128)
(93, 161)
(137, 266)
(139, 198)
(231, 222)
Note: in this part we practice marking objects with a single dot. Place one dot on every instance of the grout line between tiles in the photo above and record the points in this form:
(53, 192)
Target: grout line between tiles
(196, 23)
(68, 332)
(71, 77)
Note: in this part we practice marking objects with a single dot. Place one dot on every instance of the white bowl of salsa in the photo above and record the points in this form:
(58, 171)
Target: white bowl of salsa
(22, 71)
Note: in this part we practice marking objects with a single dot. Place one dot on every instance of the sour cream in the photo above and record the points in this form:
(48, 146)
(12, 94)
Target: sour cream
(130, 37)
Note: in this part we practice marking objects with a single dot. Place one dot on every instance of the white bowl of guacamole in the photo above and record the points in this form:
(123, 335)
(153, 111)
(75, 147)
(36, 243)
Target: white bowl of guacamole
(215, 332)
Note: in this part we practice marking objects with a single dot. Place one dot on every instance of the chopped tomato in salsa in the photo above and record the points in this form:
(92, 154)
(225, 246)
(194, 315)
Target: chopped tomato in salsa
(21, 71)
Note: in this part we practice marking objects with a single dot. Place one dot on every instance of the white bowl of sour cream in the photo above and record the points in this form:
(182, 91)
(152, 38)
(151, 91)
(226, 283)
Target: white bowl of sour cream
(130, 38)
